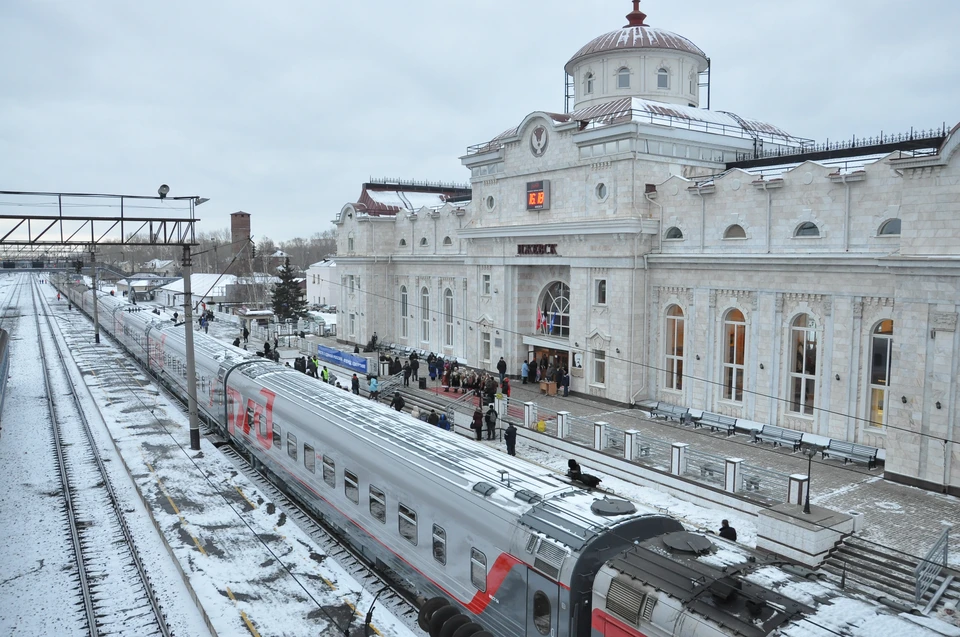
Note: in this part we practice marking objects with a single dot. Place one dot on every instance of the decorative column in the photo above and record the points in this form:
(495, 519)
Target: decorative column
(530, 415)
(678, 458)
(732, 478)
(563, 424)
(599, 435)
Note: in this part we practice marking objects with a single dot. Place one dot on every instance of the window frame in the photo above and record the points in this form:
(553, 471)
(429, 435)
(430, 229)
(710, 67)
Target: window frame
(673, 346)
(424, 314)
(478, 563)
(663, 78)
(600, 291)
(404, 310)
(448, 317)
(544, 628)
(588, 81)
(673, 233)
(329, 471)
(485, 347)
(889, 223)
(623, 78)
(309, 458)
(877, 411)
(277, 437)
(807, 230)
(377, 495)
(802, 384)
(292, 439)
(351, 486)
(485, 284)
(441, 541)
(599, 367)
(408, 515)
(739, 233)
(733, 366)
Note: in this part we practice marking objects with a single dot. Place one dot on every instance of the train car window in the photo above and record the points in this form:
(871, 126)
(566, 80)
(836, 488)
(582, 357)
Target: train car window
(378, 504)
(277, 439)
(329, 472)
(439, 544)
(310, 459)
(408, 524)
(263, 425)
(478, 569)
(291, 445)
(251, 423)
(541, 612)
(350, 486)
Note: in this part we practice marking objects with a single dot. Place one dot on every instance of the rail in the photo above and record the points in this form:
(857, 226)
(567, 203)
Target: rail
(932, 564)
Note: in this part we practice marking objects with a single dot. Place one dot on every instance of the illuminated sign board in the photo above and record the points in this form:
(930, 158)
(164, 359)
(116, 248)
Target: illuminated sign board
(538, 195)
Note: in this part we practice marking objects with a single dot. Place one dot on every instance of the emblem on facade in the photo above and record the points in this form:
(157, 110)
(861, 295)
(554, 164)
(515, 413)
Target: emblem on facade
(538, 141)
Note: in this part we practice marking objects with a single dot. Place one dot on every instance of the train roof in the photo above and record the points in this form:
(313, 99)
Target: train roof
(518, 489)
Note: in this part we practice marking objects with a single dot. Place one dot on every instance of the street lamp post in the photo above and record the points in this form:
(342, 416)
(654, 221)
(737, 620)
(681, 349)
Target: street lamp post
(809, 452)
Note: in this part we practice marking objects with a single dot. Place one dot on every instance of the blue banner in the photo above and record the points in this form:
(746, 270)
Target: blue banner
(342, 359)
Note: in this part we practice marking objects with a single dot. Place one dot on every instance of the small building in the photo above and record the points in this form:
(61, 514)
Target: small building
(323, 284)
(206, 289)
(162, 267)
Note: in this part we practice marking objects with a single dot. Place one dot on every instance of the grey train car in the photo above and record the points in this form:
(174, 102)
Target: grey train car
(493, 544)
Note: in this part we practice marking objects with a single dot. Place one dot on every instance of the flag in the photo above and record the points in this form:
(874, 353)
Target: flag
(539, 318)
(553, 319)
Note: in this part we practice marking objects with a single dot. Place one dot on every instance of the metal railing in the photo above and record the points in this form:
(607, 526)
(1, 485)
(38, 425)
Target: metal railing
(931, 135)
(706, 467)
(932, 564)
(763, 481)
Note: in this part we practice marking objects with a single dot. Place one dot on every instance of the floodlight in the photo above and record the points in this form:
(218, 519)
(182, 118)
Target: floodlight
(163, 190)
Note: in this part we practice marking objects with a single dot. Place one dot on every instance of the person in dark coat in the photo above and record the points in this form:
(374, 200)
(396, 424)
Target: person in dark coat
(355, 385)
(510, 437)
(505, 387)
(575, 474)
(433, 418)
(477, 424)
(266, 348)
(444, 423)
(727, 532)
(565, 382)
(491, 418)
(502, 368)
(397, 403)
(490, 389)
(236, 342)
(414, 367)
(406, 374)
(246, 335)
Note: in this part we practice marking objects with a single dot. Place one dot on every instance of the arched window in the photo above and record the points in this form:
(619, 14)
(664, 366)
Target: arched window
(447, 241)
(404, 311)
(425, 315)
(803, 364)
(890, 226)
(448, 318)
(734, 341)
(807, 229)
(880, 348)
(623, 77)
(555, 310)
(403, 242)
(541, 612)
(663, 78)
(423, 241)
(735, 231)
(673, 233)
(588, 83)
(674, 348)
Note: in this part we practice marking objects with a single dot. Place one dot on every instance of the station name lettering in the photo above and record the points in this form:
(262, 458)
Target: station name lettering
(537, 248)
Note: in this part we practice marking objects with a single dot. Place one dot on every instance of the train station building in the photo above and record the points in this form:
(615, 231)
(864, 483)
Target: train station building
(665, 251)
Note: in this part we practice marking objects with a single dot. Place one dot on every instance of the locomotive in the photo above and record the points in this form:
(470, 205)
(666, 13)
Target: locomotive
(492, 544)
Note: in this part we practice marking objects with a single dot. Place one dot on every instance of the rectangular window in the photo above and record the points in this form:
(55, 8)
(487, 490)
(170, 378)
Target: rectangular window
(378, 504)
(600, 296)
(329, 472)
(349, 244)
(408, 524)
(485, 346)
(350, 283)
(478, 569)
(439, 544)
(351, 487)
(353, 325)
(599, 366)
(309, 458)
(292, 446)
(262, 425)
(277, 438)
(485, 284)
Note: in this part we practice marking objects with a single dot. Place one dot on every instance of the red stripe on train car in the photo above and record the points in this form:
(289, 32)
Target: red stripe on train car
(609, 626)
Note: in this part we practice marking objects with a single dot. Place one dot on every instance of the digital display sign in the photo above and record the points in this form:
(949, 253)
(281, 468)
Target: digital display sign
(538, 195)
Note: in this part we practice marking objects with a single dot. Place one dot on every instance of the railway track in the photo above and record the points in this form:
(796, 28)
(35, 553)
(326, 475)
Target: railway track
(114, 587)
(401, 604)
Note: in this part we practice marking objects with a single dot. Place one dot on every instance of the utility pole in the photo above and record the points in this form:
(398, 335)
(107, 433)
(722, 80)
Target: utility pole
(191, 360)
(96, 311)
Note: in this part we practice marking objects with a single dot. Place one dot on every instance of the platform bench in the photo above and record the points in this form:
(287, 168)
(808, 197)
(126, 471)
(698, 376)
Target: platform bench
(717, 422)
(780, 436)
(668, 411)
(851, 452)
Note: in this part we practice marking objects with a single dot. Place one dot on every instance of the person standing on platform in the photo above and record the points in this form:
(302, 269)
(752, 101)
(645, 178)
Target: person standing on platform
(433, 418)
(510, 437)
(373, 388)
(355, 385)
(398, 403)
(477, 424)
(414, 366)
(406, 374)
(444, 422)
(727, 532)
(565, 382)
(502, 368)
(491, 418)
(524, 371)
(505, 386)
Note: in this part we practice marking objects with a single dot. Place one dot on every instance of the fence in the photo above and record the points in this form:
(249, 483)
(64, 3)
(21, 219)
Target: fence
(929, 568)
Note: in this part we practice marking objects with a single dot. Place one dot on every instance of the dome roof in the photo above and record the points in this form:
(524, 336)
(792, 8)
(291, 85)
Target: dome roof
(636, 35)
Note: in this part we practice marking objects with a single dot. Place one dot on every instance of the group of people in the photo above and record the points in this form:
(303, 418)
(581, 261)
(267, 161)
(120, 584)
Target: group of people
(533, 371)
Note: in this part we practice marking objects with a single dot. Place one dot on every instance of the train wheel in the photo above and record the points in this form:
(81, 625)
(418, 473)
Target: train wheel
(440, 616)
(428, 609)
(468, 630)
(451, 625)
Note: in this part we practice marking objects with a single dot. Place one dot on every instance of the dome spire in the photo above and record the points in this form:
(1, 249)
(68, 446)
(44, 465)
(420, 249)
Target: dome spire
(636, 17)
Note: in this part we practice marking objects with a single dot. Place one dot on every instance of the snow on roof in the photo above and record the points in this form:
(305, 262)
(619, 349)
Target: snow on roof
(635, 37)
(842, 166)
(406, 199)
(203, 284)
(326, 263)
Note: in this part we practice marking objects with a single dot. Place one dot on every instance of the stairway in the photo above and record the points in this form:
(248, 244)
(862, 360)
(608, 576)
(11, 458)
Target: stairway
(884, 573)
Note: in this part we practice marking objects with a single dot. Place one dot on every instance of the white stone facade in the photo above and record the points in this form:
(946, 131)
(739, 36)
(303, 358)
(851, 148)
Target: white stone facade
(619, 190)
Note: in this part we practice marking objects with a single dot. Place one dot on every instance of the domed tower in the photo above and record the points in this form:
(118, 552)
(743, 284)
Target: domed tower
(637, 61)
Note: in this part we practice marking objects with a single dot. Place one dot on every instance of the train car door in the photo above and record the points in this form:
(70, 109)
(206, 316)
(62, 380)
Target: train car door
(543, 606)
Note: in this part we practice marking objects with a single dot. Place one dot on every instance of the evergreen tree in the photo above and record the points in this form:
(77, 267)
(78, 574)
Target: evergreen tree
(287, 301)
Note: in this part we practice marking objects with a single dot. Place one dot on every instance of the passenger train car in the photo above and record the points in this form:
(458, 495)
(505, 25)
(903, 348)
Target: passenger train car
(493, 544)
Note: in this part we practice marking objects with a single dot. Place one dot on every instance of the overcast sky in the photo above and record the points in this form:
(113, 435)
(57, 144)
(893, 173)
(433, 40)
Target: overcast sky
(283, 109)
